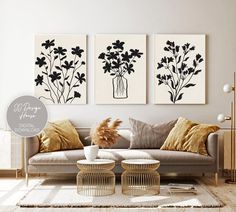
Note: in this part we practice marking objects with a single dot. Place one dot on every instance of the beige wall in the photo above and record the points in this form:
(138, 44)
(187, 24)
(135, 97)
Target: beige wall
(20, 20)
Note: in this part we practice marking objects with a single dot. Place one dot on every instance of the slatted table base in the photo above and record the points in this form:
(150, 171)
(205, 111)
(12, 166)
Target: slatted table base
(96, 182)
(140, 182)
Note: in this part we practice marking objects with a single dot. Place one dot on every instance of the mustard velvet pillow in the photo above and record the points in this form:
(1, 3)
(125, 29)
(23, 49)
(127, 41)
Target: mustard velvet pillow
(177, 135)
(195, 141)
(59, 135)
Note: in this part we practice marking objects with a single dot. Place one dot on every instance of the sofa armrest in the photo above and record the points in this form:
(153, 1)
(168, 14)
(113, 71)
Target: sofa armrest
(31, 147)
(212, 145)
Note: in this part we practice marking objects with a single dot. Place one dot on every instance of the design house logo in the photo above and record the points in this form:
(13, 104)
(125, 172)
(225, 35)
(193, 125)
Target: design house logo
(27, 116)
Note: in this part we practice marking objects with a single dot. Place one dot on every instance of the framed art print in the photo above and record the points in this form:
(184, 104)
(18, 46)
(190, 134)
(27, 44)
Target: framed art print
(179, 69)
(120, 69)
(60, 69)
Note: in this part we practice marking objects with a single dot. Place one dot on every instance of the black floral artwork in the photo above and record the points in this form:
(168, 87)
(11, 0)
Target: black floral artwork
(179, 71)
(118, 62)
(59, 76)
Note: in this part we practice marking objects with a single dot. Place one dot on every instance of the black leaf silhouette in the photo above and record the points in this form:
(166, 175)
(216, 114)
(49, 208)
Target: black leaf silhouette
(186, 59)
(200, 60)
(70, 98)
(77, 94)
(179, 59)
(58, 68)
(189, 85)
(63, 58)
(180, 97)
(172, 84)
(159, 65)
(173, 69)
(196, 72)
(171, 96)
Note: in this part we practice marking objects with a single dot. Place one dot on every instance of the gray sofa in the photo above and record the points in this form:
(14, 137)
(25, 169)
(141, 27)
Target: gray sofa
(171, 161)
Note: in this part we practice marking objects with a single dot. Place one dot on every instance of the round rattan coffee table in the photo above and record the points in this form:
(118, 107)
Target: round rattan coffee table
(95, 177)
(140, 177)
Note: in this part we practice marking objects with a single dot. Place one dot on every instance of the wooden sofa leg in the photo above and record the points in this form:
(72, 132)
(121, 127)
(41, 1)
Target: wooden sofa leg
(27, 179)
(216, 179)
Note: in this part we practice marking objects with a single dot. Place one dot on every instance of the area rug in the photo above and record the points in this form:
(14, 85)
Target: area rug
(62, 193)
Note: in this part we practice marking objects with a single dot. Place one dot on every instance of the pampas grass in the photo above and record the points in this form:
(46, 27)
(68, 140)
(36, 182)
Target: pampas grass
(105, 135)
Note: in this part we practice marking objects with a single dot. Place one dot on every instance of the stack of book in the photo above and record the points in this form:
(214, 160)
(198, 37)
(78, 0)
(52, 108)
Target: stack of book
(181, 188)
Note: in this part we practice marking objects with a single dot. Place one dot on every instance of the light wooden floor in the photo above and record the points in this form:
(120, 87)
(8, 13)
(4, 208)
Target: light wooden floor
(11, 190)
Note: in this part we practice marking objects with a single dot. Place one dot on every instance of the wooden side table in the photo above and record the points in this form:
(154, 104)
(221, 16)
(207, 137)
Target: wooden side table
(95, 177)
(140, 177)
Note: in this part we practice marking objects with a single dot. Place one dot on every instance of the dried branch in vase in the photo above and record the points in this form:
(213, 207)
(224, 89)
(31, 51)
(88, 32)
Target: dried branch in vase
(105, 135)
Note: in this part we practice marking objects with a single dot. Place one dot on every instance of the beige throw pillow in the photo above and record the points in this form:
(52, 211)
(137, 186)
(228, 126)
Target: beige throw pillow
(177, 135)
(59, 135)
(147, 136)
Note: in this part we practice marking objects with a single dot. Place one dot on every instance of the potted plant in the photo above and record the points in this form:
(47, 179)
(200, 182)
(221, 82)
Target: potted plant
(104, 136)
(117, 63)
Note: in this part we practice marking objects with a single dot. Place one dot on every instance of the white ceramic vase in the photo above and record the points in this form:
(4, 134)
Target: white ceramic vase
(91, 152)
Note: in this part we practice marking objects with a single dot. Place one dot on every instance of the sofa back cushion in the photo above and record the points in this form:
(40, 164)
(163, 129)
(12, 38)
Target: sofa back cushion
(147, 136)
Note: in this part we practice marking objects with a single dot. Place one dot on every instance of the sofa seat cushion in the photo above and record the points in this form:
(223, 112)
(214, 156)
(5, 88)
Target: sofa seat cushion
(57, 158)
(166, 157)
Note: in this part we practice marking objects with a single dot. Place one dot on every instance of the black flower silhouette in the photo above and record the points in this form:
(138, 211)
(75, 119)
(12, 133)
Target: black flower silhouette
(67, 65)
(77, 51)
(55, 76)
(118, 45)
(136, 53)
(60, 51)
(40, 61)
(112, 56)
(129, 68)
(80, 77)
(117, 64)
(39, 80)
(48, 43)
(126, 57)
(107, 67)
